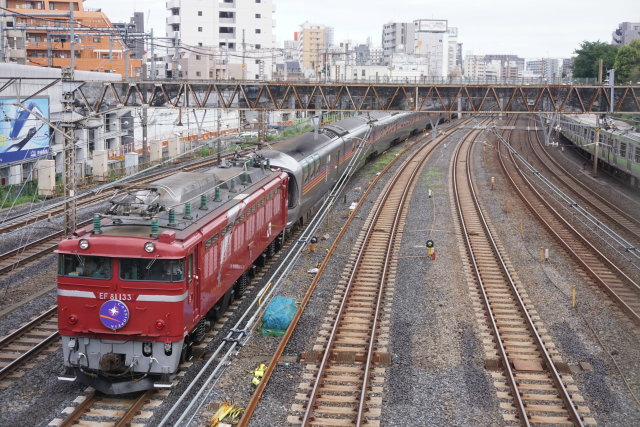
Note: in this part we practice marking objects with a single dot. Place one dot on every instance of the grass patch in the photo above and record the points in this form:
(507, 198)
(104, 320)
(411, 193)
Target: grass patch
(383, 160)
(431, 178)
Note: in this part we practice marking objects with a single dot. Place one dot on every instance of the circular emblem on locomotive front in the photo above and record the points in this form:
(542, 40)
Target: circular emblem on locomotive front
(114, 314)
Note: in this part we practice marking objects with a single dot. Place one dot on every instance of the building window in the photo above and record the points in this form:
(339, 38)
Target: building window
(258, 30)
(175, 11)
(225, 14)
(258, 1)
(258, 16)
(97, 39)
(199, 44)
(199, 13)
(198, 74)
(258, 46)
(197, 57)
(199, 29)
(257, 61)
(175, 27)
(233, 45)
(227, 30)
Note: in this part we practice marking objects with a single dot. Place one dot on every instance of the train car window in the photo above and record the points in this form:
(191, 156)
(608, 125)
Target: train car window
(623, 150)
(190, 267)
(637, 154)
(152, 270)
(94, 267)
(305, 170)
(316, 163)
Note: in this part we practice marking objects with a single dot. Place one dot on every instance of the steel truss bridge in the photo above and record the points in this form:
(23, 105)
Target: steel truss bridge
(100, 97)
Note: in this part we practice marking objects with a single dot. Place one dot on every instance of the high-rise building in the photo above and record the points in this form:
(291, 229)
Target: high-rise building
(45, 36)
(313, 44)
(493, 67)
(548, 68)
(432, 42)
(231, 38)
(625, 33)
(397, 37)
(134, 26)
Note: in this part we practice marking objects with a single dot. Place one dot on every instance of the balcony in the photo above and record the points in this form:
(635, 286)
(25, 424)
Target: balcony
(173, 19)
(227, 20)
(227, 5)
(173, 4)
(227, 36)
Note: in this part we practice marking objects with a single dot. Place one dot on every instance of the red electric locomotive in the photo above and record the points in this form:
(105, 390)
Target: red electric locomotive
(137, 289)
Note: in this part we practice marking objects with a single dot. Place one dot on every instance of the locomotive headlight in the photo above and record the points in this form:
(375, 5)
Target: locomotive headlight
(84, 244)
(146, 348)
(73, 319)
(160, 323)
(149, 247)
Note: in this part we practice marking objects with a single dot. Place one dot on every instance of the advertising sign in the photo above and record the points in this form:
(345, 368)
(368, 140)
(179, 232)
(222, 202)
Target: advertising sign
(22, 134)
(432, 25)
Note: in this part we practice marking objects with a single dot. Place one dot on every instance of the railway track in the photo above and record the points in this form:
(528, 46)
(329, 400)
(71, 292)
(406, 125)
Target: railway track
(25, 343)
(622, 288)
(96, 408)
(531, 389)
(609, 212)
(345, 373)
(25, 254)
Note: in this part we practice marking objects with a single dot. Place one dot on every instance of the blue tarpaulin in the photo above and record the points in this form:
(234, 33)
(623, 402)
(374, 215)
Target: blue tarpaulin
(278, 316)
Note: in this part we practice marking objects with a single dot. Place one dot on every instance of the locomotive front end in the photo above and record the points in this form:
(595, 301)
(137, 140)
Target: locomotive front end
(121, 317)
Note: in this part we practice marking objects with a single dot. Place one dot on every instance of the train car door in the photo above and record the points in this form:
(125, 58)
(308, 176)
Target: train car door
(193, 278)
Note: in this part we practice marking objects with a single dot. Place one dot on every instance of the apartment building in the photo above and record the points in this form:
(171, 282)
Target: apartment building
(314, 42)
(231, 38)
(625, 33)
(397, 38)
(40, 33)
(432, 42)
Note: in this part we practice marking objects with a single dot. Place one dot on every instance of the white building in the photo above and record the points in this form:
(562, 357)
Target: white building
(397, 38)
(432, 41)
(239, 32)
(115, 130)
(625, 33)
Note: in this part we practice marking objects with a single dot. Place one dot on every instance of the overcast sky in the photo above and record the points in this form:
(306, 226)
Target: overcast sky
(552, 28)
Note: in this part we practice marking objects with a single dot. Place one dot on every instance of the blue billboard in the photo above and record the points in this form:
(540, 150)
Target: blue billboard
(23, 135)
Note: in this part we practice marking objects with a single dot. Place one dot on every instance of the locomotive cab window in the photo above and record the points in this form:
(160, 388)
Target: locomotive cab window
(152, 269)
(94, 267)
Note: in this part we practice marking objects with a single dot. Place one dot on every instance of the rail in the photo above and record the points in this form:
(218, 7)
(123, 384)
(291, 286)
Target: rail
(477, 217)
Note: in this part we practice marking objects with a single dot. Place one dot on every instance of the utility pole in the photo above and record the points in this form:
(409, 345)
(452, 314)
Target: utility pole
(219, 136)
(145, 123)
(244, 50)
(153, 58)
(125, 51)
(49, 58)
(600, 64)
(73, 39)
(69, 151)
(595, 148)
(110, 54)
(2, 54)
(612, 77)
(174, 73)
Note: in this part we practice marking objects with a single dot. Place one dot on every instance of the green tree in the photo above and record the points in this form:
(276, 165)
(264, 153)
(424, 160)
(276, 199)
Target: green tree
(627, 63)
(586, 63)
